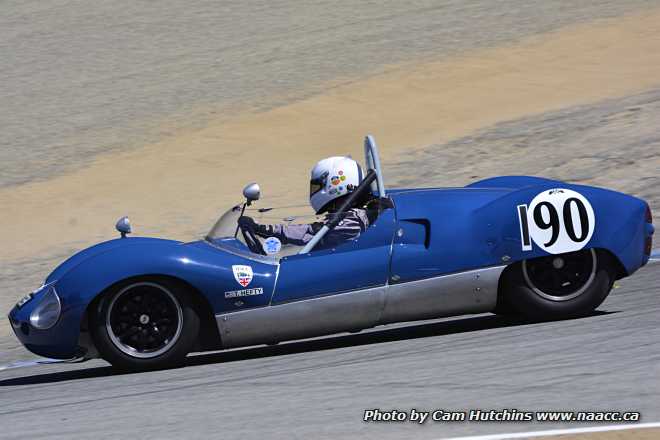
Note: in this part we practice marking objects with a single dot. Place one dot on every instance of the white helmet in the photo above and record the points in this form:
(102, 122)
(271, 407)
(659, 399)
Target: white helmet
(332, 178)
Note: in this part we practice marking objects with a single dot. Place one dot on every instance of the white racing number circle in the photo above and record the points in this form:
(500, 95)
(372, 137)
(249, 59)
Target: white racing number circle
(560, 220)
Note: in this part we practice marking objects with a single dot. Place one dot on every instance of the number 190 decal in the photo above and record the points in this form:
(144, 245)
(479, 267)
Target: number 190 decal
(558, 221)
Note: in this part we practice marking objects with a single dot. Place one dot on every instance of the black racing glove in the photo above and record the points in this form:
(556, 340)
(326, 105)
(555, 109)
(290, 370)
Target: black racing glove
(245, 221)
(249, 223)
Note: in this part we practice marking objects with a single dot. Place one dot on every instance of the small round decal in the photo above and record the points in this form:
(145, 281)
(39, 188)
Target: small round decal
(272, 245)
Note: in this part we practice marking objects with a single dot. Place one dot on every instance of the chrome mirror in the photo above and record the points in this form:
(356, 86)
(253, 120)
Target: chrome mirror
(123, 226)
(252, 192)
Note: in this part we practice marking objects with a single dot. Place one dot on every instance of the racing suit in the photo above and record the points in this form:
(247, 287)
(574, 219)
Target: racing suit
(353, 223)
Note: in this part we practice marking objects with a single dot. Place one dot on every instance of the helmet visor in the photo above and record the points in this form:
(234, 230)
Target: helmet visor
(316, 185)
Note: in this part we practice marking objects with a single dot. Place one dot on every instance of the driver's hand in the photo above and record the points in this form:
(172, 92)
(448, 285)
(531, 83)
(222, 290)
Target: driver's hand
(247, 222)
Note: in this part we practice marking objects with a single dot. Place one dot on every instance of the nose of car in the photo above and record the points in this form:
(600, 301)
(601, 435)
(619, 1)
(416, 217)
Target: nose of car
(19, 324)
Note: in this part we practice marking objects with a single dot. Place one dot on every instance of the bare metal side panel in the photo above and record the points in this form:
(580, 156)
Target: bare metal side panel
(302, 319)
(474, 291)
(467, 292)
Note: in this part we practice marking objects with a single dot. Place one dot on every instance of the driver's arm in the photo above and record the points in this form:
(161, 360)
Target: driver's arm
(297, 235)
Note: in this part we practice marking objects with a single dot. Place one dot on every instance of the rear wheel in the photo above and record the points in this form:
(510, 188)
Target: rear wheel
(558, 286)
(145, 324)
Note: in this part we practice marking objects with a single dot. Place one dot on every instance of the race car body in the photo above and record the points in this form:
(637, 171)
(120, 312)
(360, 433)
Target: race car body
(527, 246)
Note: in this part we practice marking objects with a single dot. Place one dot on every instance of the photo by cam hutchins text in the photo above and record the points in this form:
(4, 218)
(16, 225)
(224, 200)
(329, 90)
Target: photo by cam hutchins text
(496, 415)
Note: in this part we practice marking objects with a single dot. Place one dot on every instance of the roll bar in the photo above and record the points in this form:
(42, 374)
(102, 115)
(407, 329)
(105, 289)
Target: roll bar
(372, 161)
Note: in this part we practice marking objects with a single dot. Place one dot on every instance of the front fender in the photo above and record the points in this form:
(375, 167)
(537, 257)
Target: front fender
(207, 269)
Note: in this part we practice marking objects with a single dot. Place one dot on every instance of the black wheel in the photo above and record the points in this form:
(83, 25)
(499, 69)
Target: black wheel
(145, 324)
(558, 286)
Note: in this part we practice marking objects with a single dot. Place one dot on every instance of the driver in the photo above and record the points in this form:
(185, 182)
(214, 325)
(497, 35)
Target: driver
(332, 180)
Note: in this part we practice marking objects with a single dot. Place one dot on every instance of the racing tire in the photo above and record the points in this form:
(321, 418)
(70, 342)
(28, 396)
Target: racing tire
(558, 286)
(145, 324)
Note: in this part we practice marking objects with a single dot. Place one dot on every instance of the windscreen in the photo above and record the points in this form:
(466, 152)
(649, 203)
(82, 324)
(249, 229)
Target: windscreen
(223, 232)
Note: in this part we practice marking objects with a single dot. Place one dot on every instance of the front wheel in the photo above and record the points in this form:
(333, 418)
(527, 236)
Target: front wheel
(145, 324)
(558, 286)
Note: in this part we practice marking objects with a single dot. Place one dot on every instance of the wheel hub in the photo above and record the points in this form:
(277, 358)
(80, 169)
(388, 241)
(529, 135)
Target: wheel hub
(558, 263)
(144, 320)
(561, 278)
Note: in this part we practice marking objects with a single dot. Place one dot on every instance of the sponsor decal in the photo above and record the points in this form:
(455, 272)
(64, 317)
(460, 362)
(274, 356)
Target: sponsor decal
(559, 220)
(244, 292)
(242, 274)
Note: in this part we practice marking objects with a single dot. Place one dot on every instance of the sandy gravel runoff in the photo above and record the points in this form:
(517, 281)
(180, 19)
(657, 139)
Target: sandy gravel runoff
(78, 78)
(177, 186)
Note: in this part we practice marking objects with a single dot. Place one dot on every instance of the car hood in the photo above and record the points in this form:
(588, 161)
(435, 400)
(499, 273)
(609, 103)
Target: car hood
(97, 249)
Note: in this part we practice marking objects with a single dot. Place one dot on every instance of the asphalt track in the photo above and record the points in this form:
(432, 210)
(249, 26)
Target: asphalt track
(320, 388)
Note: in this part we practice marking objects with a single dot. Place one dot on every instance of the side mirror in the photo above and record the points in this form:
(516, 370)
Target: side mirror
(123, 226)
(252, 192)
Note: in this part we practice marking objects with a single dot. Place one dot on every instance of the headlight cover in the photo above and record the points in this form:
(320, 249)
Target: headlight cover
(47, 312)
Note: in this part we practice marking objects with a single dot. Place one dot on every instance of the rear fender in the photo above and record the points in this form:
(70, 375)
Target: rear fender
(619, 225)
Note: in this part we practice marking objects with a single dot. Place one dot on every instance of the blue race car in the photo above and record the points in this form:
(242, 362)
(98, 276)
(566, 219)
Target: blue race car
(527, 246)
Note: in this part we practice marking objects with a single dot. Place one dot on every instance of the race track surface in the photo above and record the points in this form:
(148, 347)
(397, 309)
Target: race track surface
(320, 388)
